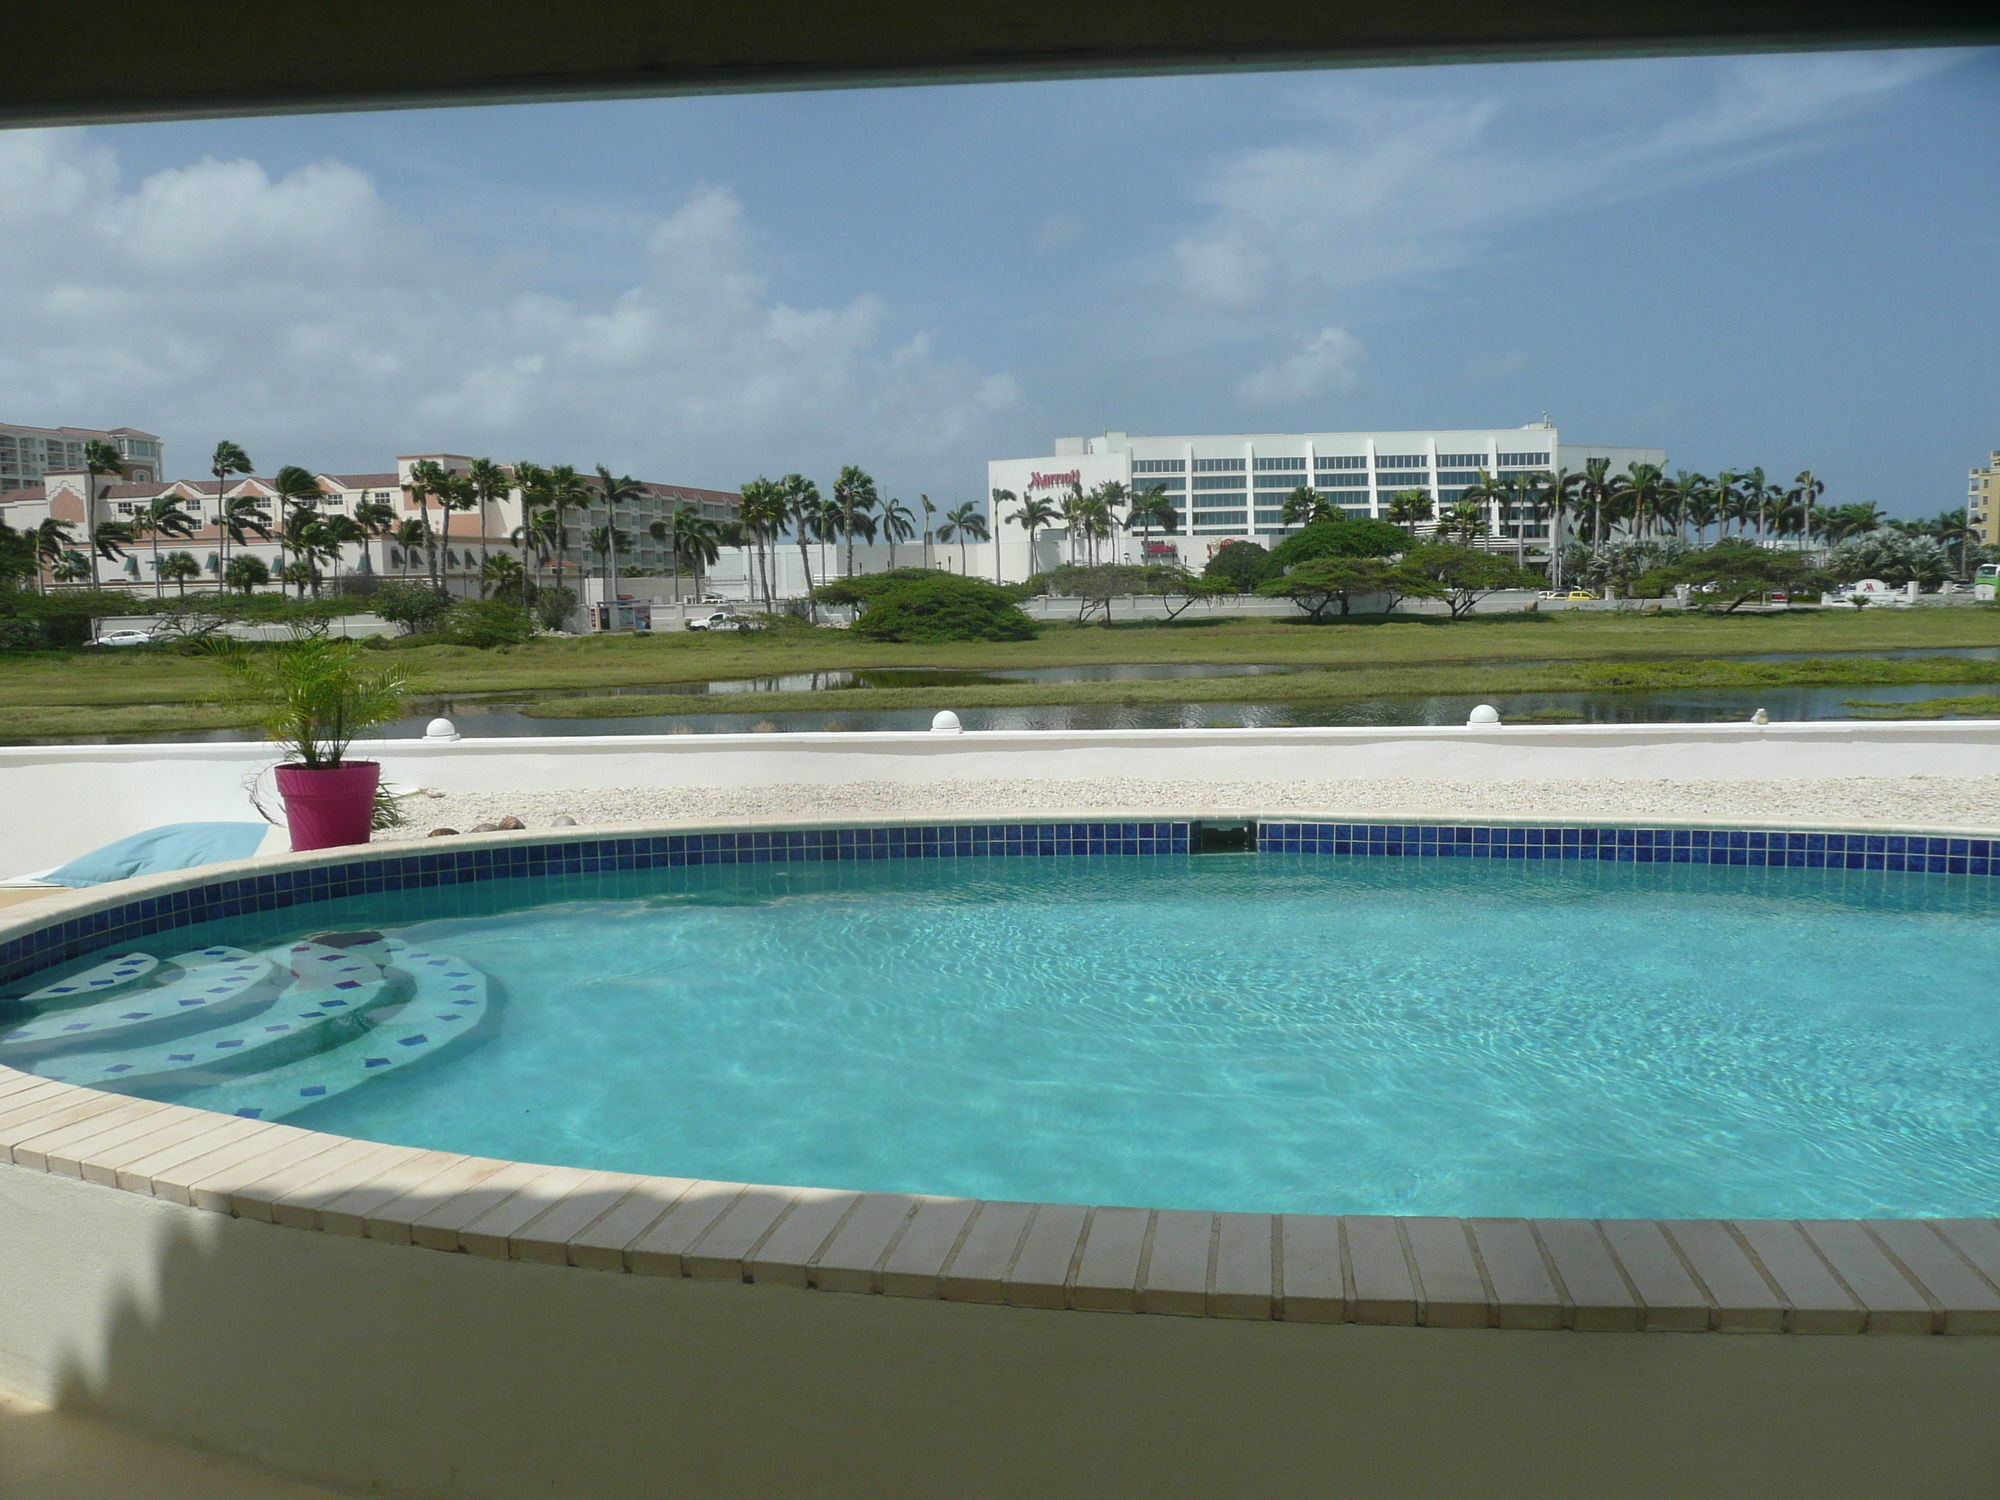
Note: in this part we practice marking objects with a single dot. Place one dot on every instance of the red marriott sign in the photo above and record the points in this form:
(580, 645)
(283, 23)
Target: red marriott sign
(1040, 481)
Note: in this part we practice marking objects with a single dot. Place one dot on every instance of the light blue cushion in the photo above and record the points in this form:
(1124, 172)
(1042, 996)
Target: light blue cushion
(158, 850)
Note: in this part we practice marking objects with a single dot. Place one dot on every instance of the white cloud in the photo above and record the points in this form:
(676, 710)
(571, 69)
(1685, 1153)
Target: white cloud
(1324, 363)
(1397, 176)
(314, 320)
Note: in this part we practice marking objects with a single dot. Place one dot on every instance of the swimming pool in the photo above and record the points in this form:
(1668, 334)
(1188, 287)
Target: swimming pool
(1566, 1022)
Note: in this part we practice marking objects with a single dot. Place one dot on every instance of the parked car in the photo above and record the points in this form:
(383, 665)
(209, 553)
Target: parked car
(721, 620)
(124, 638)
(1578, 594)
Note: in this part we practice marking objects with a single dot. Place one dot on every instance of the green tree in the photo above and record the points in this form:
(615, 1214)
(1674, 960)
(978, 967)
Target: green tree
(1306, 505)
(1731, 573)
(1361, 536)
(296, 488)
(1321, 582)
(1409, 509)
(51, 541)
(899, 524)
(246, 572)
(763, 514)
(1465, 575)
(490, 485)
(1151, 508)
(805, 513)
(161, 516)
(619, 490)
(941, 607)
(227, 459)
(854, 496)
(963, 523)
(99, 460)
(502, 577)
(180, 567)
(1241, 566)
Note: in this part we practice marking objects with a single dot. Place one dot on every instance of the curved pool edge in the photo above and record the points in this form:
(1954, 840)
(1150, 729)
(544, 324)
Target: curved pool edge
(1819, 1276)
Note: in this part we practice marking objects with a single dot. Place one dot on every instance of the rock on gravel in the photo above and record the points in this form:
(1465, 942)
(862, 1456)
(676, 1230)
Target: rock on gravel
(1963, 802)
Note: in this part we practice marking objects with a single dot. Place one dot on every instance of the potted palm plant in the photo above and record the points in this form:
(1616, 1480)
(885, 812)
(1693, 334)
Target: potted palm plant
(315, 695)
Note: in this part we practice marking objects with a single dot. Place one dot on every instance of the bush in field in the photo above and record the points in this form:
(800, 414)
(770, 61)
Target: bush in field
(943, 607)
(864, 588)
(553, 605)
(488, 622)
(1895, 557)
(417, 607)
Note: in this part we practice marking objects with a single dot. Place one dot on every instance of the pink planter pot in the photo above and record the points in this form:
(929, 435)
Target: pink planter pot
(330, 807)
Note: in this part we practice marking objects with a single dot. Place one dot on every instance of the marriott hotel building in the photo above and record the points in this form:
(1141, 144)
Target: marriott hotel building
(1232, 487)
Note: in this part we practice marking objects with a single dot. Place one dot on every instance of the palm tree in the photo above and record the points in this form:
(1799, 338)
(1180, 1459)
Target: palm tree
(853, 494)
(607, 542)
(455, 493)
(99, 459)
(489, 486)
(1072, 511)
(762, 516)
(427, 478)
(1150, 508)
(805, 511)
(246, 573)
(567, 492)
(501, 575)
(1593, 493)
(929, 511)
(51, 542)
(697, 541)
(899, 524)
(179, 566)
(73, 567)
(297, 488)
(1464, 519)
(1694, 496)
(242, 517)
(619, 490)
(1643, 487)
(532, 480)
(1303, 506)
(1757, 497)
(162, 516)
(1409, 509)
(108, 541)
(335, 535)
(1844, 521)
(228, 458)
(1804, 497)
(966, 523)
(1035, 513)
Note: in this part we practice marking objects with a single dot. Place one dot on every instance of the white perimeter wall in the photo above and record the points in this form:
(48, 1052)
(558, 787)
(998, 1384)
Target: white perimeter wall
(60, 801)
(403, 1371)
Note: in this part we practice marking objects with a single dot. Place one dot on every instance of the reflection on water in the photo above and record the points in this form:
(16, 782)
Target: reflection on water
(479, 720)
(912, 677)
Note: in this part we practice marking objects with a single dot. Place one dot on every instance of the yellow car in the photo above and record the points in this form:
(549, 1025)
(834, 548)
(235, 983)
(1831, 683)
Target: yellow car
(1579, 594)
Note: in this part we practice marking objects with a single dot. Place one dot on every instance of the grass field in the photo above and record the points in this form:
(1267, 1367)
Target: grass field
(156, 689)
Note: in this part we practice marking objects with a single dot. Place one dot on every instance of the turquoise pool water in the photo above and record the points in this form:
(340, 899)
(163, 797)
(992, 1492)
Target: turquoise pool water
(1270, 1032)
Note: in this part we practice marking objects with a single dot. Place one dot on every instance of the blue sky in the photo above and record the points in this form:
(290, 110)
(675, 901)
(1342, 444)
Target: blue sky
(1787, 260)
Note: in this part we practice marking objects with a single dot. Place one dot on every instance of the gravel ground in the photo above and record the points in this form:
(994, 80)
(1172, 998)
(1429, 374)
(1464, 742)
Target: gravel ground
(1971, 801)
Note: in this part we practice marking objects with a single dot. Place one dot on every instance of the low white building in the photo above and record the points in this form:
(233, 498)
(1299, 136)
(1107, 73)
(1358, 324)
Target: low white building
(80, 501)
(1231, 487)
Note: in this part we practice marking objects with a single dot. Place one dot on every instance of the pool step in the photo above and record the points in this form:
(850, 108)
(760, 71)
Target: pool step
(332, 990)
(448, 999)
(212, 980)
(113, 974)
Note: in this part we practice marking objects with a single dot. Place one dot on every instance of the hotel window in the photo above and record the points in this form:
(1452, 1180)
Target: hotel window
(1218, 466)
(1414, 479)
(1526, 460)
(1459, 477)
(1270, 518)
(1219, 517)
(1176, 483)
(1158, 466)
(1402, 461)
(1280, 465)
(1272, 497)
(1342, 481)
(1218, 481)
(1461, 460)
(1342, 461)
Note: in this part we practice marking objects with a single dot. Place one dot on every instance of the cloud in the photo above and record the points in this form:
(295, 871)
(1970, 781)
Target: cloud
(310, 317)
(1324, 362)
(1396, 177)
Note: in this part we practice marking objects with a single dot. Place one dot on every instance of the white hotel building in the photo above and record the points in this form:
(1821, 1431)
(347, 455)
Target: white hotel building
(1231, 487)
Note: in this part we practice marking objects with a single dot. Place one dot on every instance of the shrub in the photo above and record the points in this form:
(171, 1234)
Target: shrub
(863, 588)
(488, 622)
(943, 607)
(416, 607)
(1895, 557)
(553, 605)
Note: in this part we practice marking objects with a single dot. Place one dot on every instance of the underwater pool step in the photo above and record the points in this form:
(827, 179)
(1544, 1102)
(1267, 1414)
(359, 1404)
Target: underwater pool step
(212, 980)
(339, 989)
(112, 974)
(447, 1002)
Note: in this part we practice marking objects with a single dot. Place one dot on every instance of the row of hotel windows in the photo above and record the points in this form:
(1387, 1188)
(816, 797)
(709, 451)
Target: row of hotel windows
(1399, 461)
(1390, 483)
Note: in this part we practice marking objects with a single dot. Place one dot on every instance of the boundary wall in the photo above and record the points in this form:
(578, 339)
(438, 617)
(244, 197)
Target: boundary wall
(64, 800)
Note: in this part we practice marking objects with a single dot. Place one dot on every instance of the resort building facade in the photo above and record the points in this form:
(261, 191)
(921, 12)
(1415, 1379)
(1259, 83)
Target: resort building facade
(29, 453)
(1232, 487)
(1982, 502)
(82, 501)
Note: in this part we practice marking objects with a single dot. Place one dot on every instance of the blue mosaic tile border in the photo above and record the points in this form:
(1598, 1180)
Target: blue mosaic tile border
(1921, 854)
(382, 871)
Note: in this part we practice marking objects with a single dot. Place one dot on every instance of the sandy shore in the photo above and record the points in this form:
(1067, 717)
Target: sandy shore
(1963, 802)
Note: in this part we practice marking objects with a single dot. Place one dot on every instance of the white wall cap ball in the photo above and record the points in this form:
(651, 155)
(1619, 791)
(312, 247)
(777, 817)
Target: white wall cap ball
(441, 729)
(946, 722)
(1486, 713)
